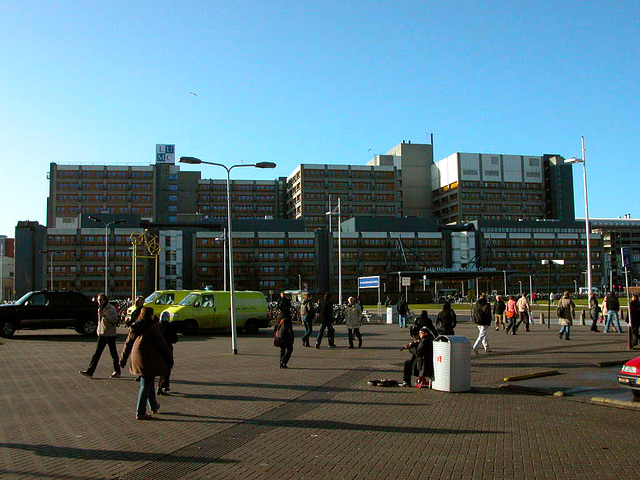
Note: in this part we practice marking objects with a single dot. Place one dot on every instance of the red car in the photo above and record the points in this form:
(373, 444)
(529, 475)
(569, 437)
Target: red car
(629, 376)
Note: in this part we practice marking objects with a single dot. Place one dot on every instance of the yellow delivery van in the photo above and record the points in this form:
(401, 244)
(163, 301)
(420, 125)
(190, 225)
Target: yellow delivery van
(211, 310)
(159, 301)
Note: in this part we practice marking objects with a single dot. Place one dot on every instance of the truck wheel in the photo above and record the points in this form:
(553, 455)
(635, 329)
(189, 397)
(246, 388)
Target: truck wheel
(7, 329)
(86, 327)
(251, 326)
(190, 327)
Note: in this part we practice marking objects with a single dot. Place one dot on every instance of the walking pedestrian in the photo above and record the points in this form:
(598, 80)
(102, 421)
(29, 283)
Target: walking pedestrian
(613, 312)
(106, 331)
(285, 338)
(403, 312)
(422, 321)
(566, 311)
(326, 317)
(498, 312)
(594, 312)
(511, 312)
(139, 303)
(150, 357)
(284, 305)
(524, 310)
(446, 321)
(307, 313)
(170, 336)
(353, 320)
(482, 318)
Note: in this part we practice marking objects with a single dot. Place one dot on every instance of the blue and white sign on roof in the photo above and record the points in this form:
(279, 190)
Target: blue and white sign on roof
(368, 282)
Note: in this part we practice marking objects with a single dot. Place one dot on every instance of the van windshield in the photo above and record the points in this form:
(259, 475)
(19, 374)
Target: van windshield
(151, 298)
(189, 299)
(165, 299)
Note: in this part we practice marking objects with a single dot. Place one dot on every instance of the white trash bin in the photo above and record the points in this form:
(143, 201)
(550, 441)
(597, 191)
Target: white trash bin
(452, 363)
(392, 314)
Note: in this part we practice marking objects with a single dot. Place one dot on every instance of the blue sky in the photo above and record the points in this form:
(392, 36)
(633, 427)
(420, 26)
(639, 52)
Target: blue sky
(316, 82)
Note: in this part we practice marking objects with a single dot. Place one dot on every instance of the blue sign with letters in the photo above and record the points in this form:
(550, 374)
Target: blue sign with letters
(369, 282)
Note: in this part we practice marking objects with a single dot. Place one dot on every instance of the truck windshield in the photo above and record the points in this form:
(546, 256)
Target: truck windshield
(24, 298)
(189, 299)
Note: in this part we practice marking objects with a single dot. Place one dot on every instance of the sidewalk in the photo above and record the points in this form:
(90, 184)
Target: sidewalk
(242, 417)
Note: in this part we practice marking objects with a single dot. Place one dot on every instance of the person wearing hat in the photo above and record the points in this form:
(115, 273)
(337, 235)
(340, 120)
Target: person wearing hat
(421, 363)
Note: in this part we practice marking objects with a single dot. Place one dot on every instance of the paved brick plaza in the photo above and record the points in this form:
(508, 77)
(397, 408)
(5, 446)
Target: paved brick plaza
(242, 417)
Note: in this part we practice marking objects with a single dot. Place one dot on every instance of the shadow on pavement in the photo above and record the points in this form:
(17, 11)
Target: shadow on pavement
(95, 454)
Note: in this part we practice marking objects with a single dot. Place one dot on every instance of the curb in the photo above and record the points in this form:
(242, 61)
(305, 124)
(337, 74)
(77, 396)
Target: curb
(612, 363)
(616, 403)
(527, 376)
(531, 390)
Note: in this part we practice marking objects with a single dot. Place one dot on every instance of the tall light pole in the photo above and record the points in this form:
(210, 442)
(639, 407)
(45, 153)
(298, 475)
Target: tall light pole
(2, 269)
(505, 283)
(197, 161)
(106, 247)
(224, 256)
(51, 253)
(330, 212)
(520, 282)
(583, 161)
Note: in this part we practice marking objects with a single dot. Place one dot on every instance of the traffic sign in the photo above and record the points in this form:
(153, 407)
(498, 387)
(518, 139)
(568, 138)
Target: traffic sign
(368, 282)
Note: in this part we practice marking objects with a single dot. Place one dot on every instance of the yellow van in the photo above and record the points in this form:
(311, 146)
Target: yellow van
(210, 310)
(159, 301)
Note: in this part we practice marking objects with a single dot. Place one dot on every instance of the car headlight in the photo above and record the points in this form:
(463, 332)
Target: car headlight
(629, 369)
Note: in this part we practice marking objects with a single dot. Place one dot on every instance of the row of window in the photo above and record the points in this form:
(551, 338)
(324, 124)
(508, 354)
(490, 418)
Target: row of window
(103, 174)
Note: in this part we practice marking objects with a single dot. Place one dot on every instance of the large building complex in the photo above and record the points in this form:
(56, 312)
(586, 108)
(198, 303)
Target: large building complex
(401, 215)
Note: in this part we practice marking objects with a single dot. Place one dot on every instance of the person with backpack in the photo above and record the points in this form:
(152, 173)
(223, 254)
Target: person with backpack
(307, 314)
(446, 321)
(403, 312)
(566, 311)
(613, 312)
(283, 338)
(482, 318)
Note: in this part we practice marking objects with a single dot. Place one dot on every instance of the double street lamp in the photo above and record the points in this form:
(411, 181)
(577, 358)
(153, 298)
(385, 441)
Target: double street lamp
(583, 161)
(106, 247)
(197, 161)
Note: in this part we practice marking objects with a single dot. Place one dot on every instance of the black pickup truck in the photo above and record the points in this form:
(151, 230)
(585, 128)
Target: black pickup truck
(49, 309)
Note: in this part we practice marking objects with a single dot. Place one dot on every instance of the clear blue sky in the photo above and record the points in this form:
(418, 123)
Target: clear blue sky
(316, 82)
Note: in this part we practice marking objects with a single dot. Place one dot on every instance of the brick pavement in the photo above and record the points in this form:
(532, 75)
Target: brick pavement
(242, 417)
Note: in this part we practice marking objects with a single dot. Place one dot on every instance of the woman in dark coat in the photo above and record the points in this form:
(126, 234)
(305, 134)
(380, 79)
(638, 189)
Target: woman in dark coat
(284, 330)
(446, 321)
(421, 363)
(422, 321)
(594, 312)
(634, 312)
(150, 357)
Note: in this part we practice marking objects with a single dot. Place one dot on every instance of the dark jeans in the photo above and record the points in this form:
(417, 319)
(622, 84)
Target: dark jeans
(351, 331)
(512, 324)
(635, 336)
(524, 317)
(407, 371)
(285, 353)
(330, 334)
(594, 321)
(102, 342)
(308, 330)
(163, 382)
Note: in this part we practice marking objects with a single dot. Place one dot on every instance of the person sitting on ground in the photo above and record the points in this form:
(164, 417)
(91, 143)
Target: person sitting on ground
(422, 321)
(421, 363)
(446, 321)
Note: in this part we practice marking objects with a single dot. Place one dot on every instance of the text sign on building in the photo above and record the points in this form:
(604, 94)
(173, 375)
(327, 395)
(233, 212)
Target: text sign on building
(406, 281)
(368, 282)
(165, 153)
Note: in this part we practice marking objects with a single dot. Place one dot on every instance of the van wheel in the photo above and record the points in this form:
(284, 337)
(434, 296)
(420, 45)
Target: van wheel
(190, 327)
(86, 327)
(251, 326)
(7, 329)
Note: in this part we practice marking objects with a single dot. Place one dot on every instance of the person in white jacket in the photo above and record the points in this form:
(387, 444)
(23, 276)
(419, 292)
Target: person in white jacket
(353, 320)
(107, 323)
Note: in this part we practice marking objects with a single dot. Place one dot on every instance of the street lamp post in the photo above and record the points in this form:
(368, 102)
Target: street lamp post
(223, 238)
(505, 283)
(106, 247)
(520, 282)
(338, 211)
(197, 161)
(51, 253)
(583, 161)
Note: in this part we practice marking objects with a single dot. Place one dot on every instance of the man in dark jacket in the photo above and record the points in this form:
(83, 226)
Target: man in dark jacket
(284, 305)
(482, 318)
(613, 312)
(421, 363)
(498, 312)
(170, 336)
(634, 321)
(325, 310)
